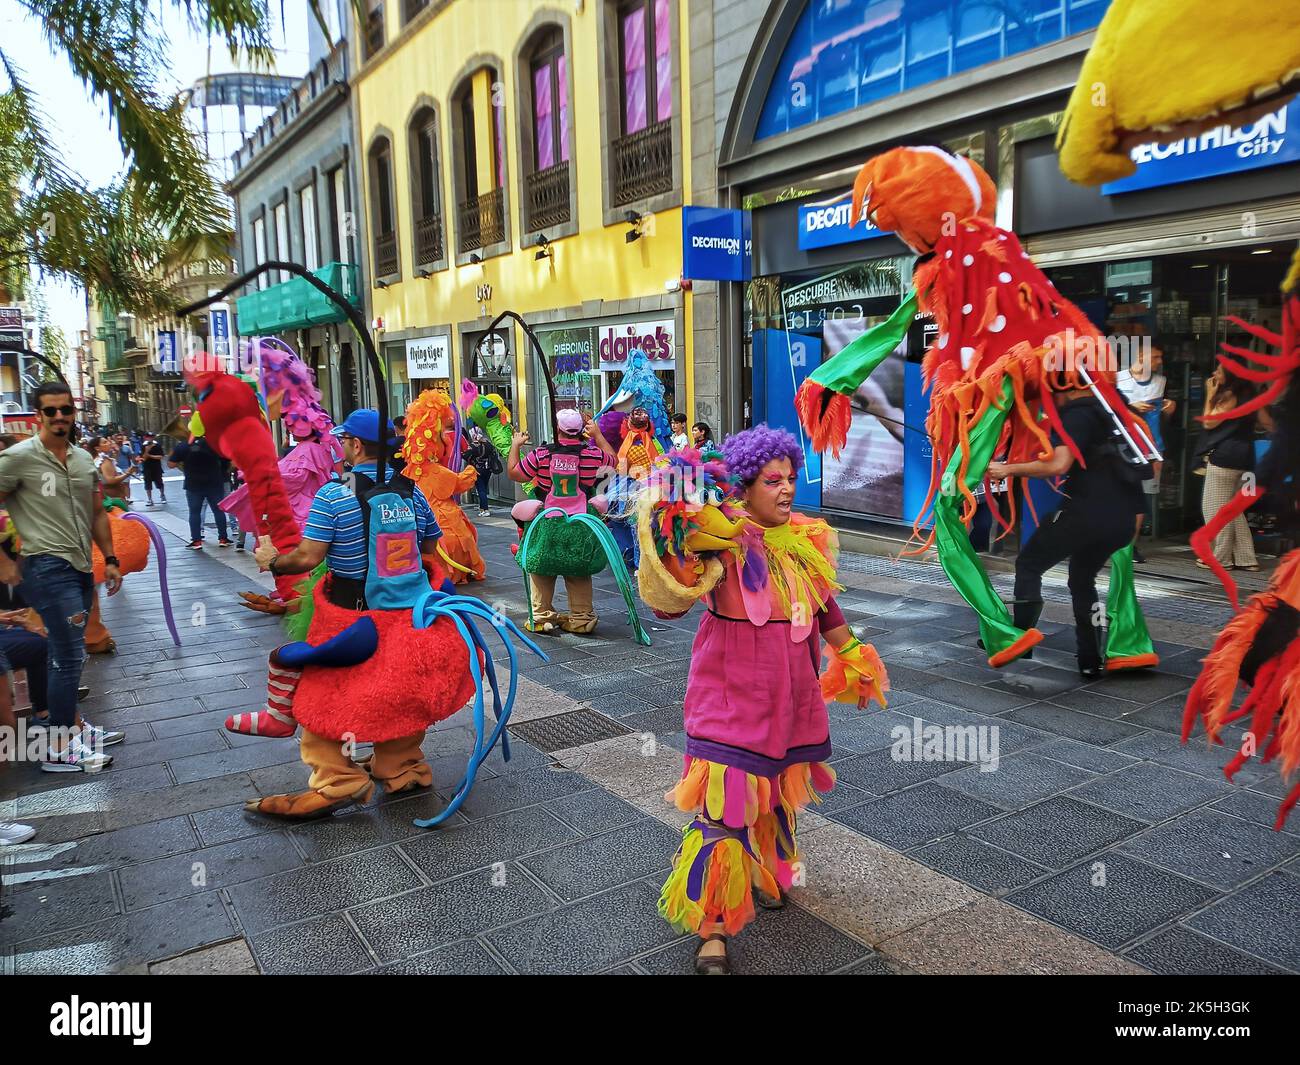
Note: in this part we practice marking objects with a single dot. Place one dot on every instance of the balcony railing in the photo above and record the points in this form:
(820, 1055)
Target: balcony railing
(374, 31)
(481, 221)
(386, 255)
(643, 163)
(428, 240)
(548, 197)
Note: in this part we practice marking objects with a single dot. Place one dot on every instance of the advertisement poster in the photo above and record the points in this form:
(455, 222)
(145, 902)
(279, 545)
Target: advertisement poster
(867, 478)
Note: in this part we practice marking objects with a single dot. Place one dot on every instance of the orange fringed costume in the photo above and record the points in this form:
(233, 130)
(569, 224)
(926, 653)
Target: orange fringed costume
(428, 423)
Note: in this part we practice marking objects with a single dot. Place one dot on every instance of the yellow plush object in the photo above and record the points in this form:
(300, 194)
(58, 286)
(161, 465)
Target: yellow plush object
(916, 192)
(1161, 70)
(667, 586)
(716, 532)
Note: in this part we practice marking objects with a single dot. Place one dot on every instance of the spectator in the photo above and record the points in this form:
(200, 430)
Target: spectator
(107, 455)
(680, 439)
(702, 436)
(152, 455)
(124, 456)
(484, 458)
(54, 503)
(205, 482)
(1143, 388)
(1229, 450)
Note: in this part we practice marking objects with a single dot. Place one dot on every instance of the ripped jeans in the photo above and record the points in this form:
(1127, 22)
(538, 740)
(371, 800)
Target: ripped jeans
(62, 596)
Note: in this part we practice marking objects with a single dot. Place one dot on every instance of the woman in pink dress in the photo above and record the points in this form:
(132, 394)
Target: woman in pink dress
(720, 528)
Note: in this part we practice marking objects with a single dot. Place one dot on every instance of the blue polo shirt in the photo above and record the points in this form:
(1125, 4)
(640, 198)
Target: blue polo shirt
(335, 519)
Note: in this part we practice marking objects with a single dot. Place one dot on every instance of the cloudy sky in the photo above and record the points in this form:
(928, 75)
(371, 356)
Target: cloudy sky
(80, 125)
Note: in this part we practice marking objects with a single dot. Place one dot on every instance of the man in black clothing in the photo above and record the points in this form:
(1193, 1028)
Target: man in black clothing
(153, 454)
(1102, 499)
(205, 482)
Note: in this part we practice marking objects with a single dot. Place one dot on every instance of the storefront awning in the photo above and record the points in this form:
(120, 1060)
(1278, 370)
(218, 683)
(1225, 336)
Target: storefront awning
(296, 304)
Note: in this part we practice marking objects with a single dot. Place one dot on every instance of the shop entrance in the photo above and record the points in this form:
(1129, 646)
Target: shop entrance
(489, 363)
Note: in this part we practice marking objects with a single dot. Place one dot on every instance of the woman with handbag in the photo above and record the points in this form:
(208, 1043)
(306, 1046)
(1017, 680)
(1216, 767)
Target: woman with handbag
(1229, 449)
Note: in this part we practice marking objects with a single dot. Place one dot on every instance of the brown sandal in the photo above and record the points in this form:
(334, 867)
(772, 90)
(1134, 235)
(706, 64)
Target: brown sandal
(712, 964)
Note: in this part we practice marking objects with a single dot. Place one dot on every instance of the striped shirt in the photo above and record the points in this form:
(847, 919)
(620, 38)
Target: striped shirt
(536, 466)
(335, 519)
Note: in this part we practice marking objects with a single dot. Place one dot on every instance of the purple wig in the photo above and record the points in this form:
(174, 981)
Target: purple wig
(612, 424)
(747, 452)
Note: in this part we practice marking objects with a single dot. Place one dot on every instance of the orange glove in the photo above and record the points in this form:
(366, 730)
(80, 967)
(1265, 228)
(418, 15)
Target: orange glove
(466, 479)
(854, 674)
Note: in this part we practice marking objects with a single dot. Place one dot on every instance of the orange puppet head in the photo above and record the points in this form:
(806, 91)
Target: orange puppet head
(921, 193)
(429, 420)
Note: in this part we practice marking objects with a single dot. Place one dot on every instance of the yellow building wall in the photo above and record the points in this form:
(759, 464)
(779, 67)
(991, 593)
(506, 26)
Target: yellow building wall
(596, 263)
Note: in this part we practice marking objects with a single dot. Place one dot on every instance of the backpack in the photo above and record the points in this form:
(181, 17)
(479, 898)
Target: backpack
(567, 493)
(1114, 454)
(395, 577)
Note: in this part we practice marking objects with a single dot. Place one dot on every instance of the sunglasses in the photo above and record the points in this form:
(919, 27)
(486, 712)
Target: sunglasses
(51, 412)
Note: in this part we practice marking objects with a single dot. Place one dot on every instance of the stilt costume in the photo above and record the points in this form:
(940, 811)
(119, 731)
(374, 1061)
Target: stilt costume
(1244, 69)
(1003, 332)
(757, 729)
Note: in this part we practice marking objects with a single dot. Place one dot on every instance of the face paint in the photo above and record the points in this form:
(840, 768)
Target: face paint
(770, 498)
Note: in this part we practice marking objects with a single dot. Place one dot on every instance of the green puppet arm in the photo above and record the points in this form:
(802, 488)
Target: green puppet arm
(822, 402)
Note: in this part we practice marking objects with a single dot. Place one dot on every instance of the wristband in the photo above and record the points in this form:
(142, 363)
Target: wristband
(111, 560)
(271, 567)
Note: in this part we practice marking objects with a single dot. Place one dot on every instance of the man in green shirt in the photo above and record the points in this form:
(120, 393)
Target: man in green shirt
(50, 490)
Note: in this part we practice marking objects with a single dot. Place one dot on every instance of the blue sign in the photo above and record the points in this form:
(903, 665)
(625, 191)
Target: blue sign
(1273, 140)
(167, 362)
(918, 452)
(824, 224)
(219, 334)
(717, 244)
(782, 360)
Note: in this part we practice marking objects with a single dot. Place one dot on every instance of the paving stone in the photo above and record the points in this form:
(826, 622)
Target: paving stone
(433, 916)
(326, 946)
(220, 959)
(594, 811)
(127, 944)
(227, 823)
(841, 797)
(480, 844)
(1195, 756)
(1261, 919)
(56, 905)
(181, 799)
(1073, 724)
(1088, 701)
(164, 879)
(1179, 951)
(1011, 735)
(1134, 898)
(1083, 755)
(1256, 808)
(1057, 831)
(322, 888)
(1213, 848)
(129, 755)
(875, 965)
(867, 730)
(788, 942)
(918, 815)
(1041, 684)
(1149, 792)
(234, 760)
(880, 773)
(1139, 685)
(591, 865)
(213, 721)
(36, 862)
(588, 936)
(1017, 781)
(526, 788)
(978, 864)
(234, 699)
(977, 697)
(466, 958)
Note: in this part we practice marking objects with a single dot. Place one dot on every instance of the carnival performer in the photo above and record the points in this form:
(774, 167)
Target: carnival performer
(364, 674)
(428, 456)
(565, 474)
(1008, 343)
(721, 529)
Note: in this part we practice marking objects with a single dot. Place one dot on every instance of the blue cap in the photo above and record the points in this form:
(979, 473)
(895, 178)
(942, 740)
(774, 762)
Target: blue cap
(363, 424)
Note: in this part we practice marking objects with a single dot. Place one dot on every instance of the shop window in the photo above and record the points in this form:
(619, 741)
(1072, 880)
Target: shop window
(885, 47)
(426, 190)
(383, 215)
(545, 133)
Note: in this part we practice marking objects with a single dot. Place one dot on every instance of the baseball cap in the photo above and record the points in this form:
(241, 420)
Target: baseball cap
(363, 424)
(569, 421)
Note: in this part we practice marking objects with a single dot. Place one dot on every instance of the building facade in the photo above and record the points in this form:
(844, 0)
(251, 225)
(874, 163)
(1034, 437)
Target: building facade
(1167, 257)
(294, 183)
(531, 157)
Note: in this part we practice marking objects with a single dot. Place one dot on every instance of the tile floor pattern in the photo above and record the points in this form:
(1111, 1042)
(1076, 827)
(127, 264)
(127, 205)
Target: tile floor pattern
(1096, 819)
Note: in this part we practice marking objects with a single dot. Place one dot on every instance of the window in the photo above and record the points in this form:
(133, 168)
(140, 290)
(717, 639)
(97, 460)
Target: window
(544, 133)
(341, 230)
(469, 147)
(645, 43)
(374, 38)
(426, 195)
(411, 8)
(307, 212)
(259, 249)
(480, 212)
(383, 214)
(550, 104)
(281, 216)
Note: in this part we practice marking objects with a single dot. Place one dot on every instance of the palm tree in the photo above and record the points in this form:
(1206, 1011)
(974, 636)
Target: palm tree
(116, 239)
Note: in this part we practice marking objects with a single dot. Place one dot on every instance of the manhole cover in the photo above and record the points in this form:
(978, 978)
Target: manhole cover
(574, 729)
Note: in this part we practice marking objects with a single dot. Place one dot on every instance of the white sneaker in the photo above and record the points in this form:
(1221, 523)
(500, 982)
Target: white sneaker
(76, 757)
(485, 513)
(11, 832)
(100, 737)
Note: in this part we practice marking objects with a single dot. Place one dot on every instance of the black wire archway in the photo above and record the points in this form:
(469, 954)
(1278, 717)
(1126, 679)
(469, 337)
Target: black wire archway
(541, 358)
(353, 315)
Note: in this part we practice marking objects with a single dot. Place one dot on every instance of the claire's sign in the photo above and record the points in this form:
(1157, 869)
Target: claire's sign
(615, 344)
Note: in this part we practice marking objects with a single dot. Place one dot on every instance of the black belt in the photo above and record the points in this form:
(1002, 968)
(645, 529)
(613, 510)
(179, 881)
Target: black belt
(346, 592)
